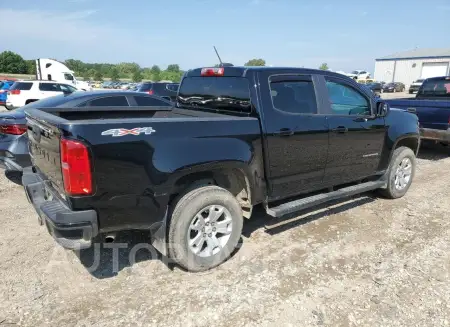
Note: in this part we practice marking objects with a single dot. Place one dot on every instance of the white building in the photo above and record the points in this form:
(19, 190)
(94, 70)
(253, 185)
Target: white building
(409, 66)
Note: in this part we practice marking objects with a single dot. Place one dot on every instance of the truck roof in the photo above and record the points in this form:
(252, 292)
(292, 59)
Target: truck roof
(242, 70)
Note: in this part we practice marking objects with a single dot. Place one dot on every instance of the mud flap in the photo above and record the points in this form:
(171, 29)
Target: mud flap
(159, 237)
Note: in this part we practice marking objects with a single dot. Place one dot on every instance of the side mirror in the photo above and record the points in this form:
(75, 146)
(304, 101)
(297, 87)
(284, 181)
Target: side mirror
(382, 109)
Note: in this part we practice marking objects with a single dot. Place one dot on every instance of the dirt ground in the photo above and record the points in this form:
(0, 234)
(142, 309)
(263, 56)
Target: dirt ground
(363, 262)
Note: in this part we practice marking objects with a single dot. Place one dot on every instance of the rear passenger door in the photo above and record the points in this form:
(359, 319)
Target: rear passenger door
(49, 90)
(296, 134)
(356, 134)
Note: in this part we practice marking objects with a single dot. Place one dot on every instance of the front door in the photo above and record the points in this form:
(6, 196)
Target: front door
(356, 134)
(296, 134)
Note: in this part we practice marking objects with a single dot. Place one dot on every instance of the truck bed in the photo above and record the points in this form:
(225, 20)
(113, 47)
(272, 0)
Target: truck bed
(132, 168)
(433, 114)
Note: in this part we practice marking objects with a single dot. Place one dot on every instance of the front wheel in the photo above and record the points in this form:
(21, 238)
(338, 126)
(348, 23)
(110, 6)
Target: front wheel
(205, 228)
(400, 173)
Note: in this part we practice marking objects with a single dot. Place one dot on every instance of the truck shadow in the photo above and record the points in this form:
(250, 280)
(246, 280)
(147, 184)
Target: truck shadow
(131, 247)
(433, 152)
(106, 260)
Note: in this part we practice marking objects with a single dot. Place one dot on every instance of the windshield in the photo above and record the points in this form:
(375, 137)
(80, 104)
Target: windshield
(355, 72)
(420, 81)
(436, 88)
(225, 93)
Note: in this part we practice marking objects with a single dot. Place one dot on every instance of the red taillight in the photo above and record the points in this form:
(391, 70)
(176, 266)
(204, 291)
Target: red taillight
(212, 71)
(13, 129)
(15, 92)
(76, 168)
(150, 92)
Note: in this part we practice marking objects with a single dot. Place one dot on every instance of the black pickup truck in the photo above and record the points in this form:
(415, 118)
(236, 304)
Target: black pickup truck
(237, 137)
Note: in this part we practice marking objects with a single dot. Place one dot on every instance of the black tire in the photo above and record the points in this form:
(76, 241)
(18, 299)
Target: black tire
(391, 192)
(184, 211)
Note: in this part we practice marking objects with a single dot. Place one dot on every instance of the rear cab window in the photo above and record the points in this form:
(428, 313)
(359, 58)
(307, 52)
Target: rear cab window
(228, 93)
(22, 86)
(435, 87)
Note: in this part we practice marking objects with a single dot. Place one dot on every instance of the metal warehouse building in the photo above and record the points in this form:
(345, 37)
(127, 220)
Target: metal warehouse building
(409, 66)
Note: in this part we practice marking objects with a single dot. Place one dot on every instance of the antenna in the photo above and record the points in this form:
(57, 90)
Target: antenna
(217, 53)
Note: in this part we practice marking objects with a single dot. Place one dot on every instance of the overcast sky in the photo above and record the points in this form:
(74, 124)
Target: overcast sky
(347, 34)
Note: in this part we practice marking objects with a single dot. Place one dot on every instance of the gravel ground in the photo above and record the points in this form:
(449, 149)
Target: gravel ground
(363, 262)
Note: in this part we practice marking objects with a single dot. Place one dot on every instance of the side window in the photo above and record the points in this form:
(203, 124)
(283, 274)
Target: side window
(68, 77)
(117, 101)
(150, 102)
(49, 87)
(67, 88)
(294, 96)
(346, 100)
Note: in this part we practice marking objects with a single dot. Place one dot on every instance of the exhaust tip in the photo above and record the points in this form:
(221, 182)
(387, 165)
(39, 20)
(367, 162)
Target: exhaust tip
(110, 238)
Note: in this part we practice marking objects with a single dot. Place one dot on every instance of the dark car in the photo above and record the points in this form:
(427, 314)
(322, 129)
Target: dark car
(415, 86)
(189, 175)
(394, 87)
(14, 155)
(375, 87)
(166, 91)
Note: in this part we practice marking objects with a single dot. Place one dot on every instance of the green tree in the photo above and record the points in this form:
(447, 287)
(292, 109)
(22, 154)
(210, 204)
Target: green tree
(173, 68)
(86, 76)
(114, 74)
(137, 76)
(155, 69)
(91, 72)
(98, 76)
(12, 63)
(324, 66)
(255, 62)
(31, 67)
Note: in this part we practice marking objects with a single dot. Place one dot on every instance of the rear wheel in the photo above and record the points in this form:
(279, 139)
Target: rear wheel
(400, 173)
(205, 228)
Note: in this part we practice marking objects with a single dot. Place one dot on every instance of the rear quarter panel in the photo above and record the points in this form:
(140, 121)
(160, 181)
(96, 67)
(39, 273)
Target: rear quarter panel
(134, 175)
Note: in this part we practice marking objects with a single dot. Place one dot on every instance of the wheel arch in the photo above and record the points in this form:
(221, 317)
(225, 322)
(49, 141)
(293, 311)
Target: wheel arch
(234, 177)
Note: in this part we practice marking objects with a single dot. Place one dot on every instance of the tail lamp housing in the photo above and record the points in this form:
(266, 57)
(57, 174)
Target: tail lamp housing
(76, 167)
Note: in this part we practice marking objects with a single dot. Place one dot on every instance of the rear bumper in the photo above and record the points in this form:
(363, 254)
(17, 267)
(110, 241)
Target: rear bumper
(435, 134)
(71, 229)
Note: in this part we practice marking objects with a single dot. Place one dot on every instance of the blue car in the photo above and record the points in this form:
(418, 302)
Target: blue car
(4, 87)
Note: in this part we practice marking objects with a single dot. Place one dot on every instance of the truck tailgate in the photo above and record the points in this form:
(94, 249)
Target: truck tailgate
(433, 114)
(44, 150)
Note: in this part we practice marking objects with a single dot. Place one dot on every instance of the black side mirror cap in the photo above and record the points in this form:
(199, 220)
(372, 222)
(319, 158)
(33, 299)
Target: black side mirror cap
(382, 109)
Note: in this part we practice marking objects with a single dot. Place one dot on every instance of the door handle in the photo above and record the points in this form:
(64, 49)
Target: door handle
(340, 129)
(285, 132)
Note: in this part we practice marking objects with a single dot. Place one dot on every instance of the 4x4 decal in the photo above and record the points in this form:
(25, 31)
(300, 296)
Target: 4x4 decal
(135, 131)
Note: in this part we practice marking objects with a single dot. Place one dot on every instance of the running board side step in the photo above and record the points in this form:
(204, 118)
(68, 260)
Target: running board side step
(312, 201)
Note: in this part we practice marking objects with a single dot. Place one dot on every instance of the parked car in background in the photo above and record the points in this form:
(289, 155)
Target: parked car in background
(359, 74)
(14, 154)
(164, 90)
(394, 87)
(24, 92)
(191, 173)
(432, 106)
(415, 86)
(375, 87)
(4, 87)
